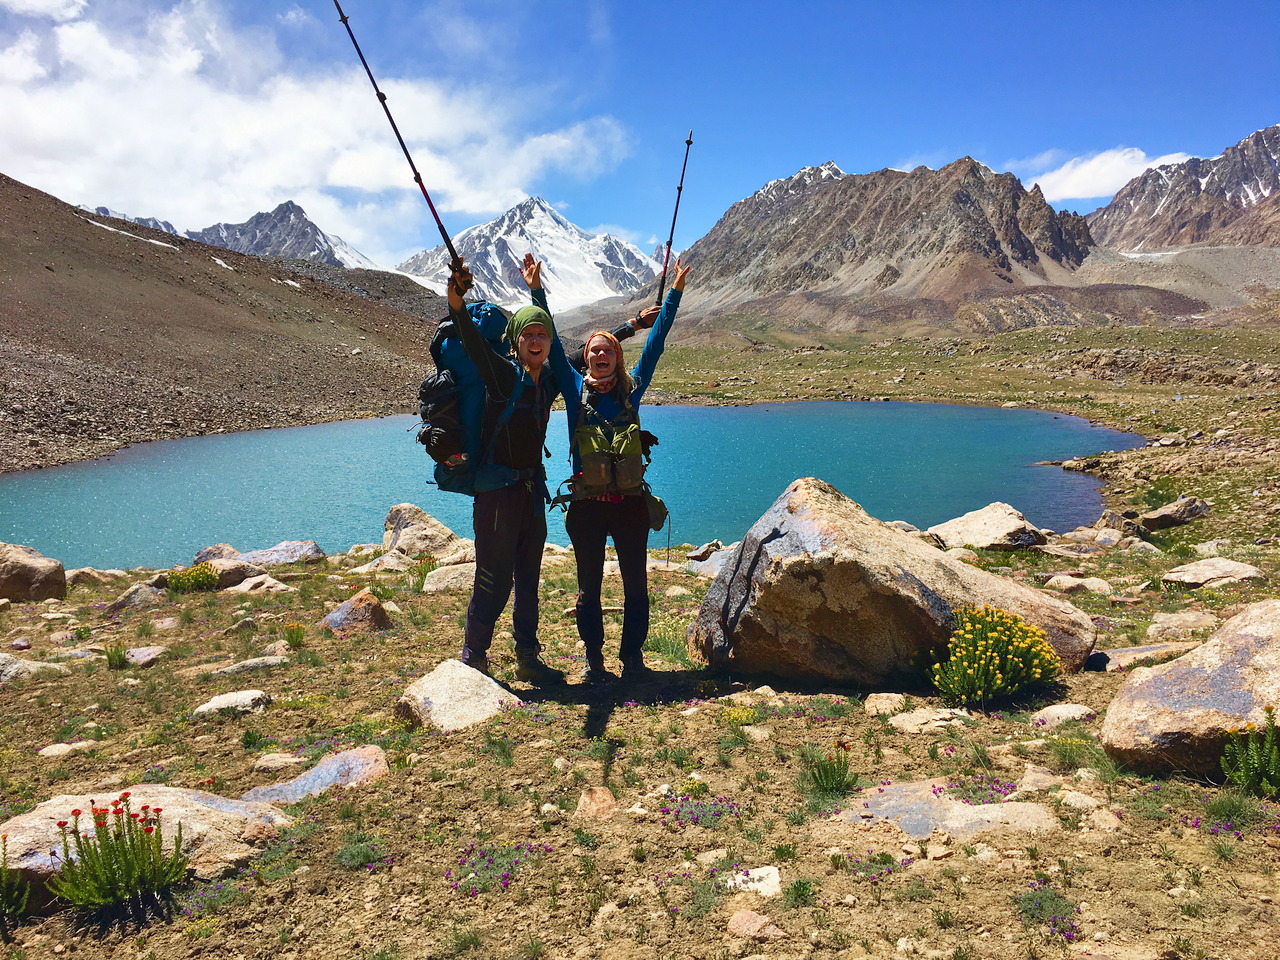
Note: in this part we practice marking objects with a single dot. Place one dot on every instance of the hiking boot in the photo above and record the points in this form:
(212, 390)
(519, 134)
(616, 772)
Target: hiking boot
(634, 669)
(480, 663)
(596, 673)
(536, 672)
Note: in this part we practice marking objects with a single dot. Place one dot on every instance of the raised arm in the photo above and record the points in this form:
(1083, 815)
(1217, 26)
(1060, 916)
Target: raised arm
(495, 370)
(657, 341)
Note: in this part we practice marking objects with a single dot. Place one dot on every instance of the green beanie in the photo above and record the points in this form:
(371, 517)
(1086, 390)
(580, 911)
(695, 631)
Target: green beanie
(525, 316)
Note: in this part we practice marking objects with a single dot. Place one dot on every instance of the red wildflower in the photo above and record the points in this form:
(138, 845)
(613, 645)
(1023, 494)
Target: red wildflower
(148, 829)
(125, 795)
(61, 823)
(118, 813)
(156, 811)
(75, 813)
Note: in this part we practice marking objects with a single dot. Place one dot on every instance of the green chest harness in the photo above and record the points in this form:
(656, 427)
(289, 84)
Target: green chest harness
(613, 453)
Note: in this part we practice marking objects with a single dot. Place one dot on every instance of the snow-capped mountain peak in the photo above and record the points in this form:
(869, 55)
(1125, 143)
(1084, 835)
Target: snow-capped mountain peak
(577, 266)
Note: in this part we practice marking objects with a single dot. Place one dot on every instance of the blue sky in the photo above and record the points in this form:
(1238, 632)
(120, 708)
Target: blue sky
(209, 110)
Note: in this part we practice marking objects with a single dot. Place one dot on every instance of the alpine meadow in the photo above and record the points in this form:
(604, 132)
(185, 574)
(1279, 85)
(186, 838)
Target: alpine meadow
(543, 732)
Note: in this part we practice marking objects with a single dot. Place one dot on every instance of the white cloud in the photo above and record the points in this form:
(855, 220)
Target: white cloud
(1099, 174)
(59, 10)
(621, 232)
(184, 116)
(20, 63)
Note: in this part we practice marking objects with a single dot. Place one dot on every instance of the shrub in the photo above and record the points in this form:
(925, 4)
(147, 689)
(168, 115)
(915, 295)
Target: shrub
(480, 869)
(684, 811)
(828, 774)
(293, 634)
(120, 868)
(361, 849)
(416, 576)
(992, 653)
(13, 893)
(667, 638)
(1252, 758)
(800, 893)
(201, 577)
(117, 655)
(1043, 904)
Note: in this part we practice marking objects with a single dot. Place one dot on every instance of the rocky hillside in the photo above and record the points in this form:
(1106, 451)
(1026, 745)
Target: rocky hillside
(112, 333)
(1228, 199)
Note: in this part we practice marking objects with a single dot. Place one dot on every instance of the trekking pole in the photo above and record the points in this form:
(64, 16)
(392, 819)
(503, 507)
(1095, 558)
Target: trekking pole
(666, 257)
(417, 177)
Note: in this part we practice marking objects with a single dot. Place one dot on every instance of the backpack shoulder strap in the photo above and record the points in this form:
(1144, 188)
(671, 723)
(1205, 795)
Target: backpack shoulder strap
(505, 416)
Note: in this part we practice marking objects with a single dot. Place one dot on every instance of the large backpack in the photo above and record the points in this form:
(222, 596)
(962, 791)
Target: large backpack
(451, 401)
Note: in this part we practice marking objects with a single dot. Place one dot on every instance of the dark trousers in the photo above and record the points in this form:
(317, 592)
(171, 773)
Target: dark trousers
(590, 523)
(511, 529)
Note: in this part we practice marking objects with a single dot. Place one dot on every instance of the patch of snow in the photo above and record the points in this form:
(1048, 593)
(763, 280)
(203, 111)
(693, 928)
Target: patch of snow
(158, 243)
(222, 264)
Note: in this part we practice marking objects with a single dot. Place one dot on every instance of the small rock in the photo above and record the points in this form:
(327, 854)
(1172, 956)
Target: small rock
(596, 803)
(882, 704)
(247, 666)
(57, 750)
(754, 926)
(258, 585)
(1060, 713)
(766, 881)
(241, 701)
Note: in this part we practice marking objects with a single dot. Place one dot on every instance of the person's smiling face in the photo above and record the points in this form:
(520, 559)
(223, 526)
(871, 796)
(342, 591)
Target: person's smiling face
(602, 358)
(532, 346)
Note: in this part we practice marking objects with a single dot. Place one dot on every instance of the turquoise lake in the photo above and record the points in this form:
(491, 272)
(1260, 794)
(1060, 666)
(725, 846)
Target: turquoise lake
(718, 469)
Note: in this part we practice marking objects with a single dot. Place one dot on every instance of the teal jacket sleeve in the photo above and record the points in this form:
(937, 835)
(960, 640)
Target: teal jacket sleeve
(654, 346)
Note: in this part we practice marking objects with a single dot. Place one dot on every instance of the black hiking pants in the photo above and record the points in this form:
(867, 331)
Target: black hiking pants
(511, 529)
(590, 523)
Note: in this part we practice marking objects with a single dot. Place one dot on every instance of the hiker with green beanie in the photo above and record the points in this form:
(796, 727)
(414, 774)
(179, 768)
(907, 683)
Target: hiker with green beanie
(509, 511)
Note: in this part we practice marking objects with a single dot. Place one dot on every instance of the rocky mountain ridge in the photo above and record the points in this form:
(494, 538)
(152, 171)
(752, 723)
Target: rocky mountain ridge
(286, 231)
(1233, 198)
(891, 242)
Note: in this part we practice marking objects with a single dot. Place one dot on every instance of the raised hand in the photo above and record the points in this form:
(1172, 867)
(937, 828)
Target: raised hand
(681, 273)
(532, 272)
(460, 281)
(646, 317)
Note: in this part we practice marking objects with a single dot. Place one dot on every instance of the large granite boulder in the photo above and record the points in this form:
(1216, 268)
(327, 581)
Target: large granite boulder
(233, 570)
(1212, 572)
(997, 526)
(411, 530)
(15, 668)
(1183, 510)
(1177, 716)
(218, 551)
(820, 589)
(218, 833)
(27, 576)
(287, 551)
(349, 768)
(139, 596)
